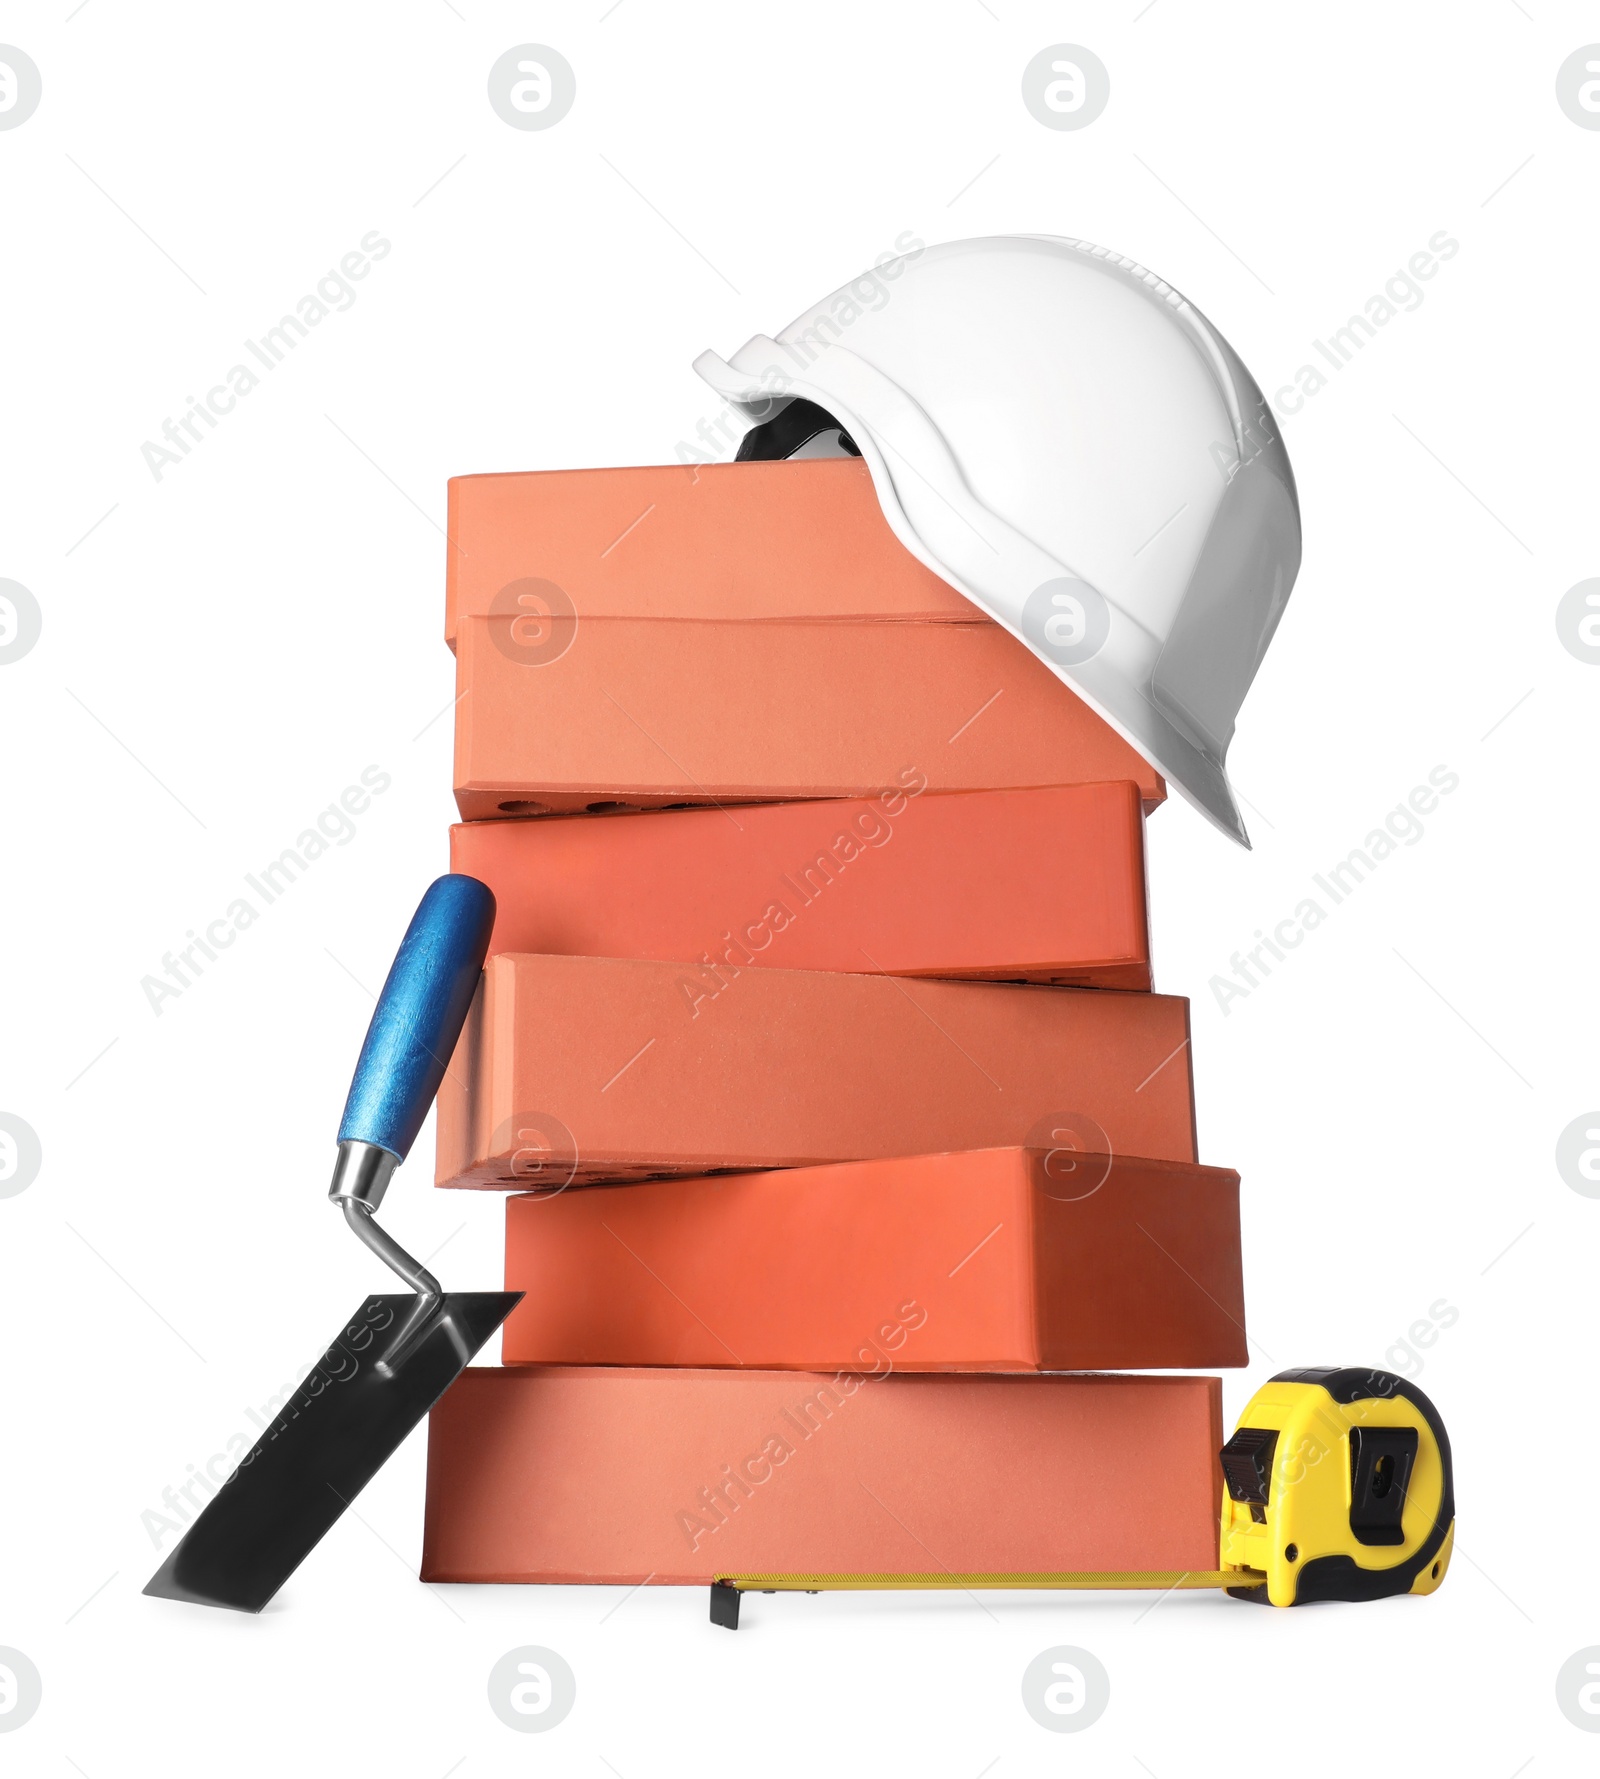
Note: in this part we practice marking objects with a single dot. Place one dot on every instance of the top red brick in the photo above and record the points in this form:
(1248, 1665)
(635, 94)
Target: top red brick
(721, 541)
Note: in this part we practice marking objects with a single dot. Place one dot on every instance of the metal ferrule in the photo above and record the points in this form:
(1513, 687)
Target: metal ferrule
(362, 1173)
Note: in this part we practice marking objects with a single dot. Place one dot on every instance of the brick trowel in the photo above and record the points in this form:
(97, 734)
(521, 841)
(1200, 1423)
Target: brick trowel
(398, 1354)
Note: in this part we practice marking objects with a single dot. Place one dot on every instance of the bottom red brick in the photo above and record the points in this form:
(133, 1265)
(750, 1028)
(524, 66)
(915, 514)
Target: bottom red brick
(622, 1475)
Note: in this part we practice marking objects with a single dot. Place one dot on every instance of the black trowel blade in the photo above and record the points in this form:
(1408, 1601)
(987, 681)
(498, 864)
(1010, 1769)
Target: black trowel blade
(391, 1363)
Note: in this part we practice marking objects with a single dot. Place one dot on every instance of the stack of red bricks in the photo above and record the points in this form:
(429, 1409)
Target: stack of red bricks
(848, 1150)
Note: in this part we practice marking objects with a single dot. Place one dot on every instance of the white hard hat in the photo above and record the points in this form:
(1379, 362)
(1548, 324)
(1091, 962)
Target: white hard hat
(1067, 441)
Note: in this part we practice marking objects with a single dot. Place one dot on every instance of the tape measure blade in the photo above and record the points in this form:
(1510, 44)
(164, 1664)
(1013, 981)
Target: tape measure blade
(1132, 1580)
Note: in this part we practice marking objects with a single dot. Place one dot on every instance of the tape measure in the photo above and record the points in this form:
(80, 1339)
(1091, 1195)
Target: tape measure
(1337, 1485)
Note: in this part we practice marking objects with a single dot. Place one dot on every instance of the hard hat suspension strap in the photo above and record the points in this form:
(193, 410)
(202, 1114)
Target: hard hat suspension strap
(791, 429)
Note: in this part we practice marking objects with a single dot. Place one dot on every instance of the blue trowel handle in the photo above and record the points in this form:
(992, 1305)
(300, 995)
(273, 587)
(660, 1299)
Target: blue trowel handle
(419, 1015)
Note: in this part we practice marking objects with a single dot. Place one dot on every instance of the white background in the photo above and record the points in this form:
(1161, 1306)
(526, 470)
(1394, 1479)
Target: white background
(225, 650)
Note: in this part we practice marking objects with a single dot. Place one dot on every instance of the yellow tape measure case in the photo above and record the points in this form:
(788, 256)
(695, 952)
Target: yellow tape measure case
(1338, 1486)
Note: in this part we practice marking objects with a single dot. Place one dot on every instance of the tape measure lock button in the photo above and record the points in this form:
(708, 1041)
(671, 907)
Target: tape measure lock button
(1247, 1468)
